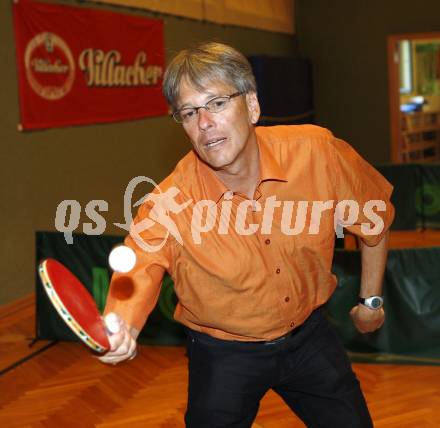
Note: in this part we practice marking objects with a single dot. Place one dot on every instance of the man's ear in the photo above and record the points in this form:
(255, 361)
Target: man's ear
(253, 107)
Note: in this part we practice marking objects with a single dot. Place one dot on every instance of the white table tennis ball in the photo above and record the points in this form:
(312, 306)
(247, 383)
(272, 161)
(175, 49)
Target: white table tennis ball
(122, 259)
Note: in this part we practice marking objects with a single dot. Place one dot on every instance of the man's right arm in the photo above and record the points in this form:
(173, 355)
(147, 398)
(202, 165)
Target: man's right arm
(131, 297)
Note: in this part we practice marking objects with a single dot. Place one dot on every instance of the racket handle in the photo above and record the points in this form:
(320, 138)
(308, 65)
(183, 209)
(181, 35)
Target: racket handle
(112, 323)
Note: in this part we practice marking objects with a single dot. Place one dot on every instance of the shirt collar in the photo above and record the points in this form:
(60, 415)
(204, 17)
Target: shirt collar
(214, 189)
(270, 169)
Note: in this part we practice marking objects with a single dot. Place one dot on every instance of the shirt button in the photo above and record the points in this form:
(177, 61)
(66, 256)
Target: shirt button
(286, 299)
(278, 270)
(267, 241)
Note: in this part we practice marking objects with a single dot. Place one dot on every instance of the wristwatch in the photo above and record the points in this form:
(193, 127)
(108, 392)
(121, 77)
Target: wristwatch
(372, 302)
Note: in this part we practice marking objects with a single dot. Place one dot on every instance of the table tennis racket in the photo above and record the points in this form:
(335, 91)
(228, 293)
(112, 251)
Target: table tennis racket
(74, 304)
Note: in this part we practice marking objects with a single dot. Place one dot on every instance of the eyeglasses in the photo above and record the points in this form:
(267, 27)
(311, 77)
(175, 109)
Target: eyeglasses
(215, 105)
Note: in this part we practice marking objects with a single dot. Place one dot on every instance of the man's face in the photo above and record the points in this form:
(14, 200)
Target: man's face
(221, 139)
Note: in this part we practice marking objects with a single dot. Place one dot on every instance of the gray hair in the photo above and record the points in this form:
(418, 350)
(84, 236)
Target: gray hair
(207, 63)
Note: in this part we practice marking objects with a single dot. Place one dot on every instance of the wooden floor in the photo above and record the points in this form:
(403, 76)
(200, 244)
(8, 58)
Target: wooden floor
(64, 386)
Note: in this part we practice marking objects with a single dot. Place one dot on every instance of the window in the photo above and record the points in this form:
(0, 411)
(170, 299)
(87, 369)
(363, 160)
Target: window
(405, 69)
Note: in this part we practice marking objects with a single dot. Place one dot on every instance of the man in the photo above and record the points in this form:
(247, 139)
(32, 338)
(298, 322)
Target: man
(250, 284)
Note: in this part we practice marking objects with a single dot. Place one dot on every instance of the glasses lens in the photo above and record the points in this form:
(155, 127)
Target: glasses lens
(176, 117)
(217, 104)
(185, 114)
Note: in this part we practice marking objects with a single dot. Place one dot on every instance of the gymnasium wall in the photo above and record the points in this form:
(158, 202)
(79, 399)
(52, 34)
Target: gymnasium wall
(346, 42)
(40, 169)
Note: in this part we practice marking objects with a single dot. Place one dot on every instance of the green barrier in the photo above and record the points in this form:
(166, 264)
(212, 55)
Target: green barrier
(406, 179)
(412, 299)
(416, 195)
(412, 305)
(429, 196)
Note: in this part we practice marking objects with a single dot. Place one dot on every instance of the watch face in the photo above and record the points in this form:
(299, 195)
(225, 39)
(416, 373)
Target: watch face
(376, 303)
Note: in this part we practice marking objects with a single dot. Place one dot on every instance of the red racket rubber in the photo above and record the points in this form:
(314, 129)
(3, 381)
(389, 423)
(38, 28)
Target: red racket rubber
(74, 304)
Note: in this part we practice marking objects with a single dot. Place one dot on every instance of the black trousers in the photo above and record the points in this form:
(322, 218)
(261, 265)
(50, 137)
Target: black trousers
(309, 369)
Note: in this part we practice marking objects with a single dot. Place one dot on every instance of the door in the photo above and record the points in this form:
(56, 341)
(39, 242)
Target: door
(414, 96)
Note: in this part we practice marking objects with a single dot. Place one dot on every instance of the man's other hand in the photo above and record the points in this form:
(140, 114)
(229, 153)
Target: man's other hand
(367, 320)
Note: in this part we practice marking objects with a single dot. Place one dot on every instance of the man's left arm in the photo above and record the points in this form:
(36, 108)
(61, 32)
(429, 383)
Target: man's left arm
(373, 260)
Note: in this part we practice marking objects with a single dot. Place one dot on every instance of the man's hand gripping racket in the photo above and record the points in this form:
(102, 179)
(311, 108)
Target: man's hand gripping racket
(109, 336)
(122, 340)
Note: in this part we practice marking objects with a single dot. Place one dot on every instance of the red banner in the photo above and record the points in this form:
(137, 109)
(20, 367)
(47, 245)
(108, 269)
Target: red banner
(81, 66)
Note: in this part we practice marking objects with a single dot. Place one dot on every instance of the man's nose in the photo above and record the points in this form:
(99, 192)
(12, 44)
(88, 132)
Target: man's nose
(205, 119)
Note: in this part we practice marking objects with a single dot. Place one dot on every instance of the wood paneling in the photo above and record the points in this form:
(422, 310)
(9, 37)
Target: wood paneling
(402, 239)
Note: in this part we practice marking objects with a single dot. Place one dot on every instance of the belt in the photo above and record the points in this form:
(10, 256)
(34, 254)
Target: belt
(206, 337)
(314, 316)
(279, 339)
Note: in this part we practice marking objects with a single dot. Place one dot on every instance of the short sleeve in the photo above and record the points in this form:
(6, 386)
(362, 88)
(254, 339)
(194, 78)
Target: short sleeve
(361, 190)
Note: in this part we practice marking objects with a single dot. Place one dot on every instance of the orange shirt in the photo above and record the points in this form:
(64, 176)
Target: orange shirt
(248, 270)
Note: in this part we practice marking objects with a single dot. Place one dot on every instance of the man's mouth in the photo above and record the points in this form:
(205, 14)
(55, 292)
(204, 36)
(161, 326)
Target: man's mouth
(215, 142)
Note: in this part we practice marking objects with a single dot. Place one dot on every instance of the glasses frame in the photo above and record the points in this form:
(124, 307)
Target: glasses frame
(176, 114)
